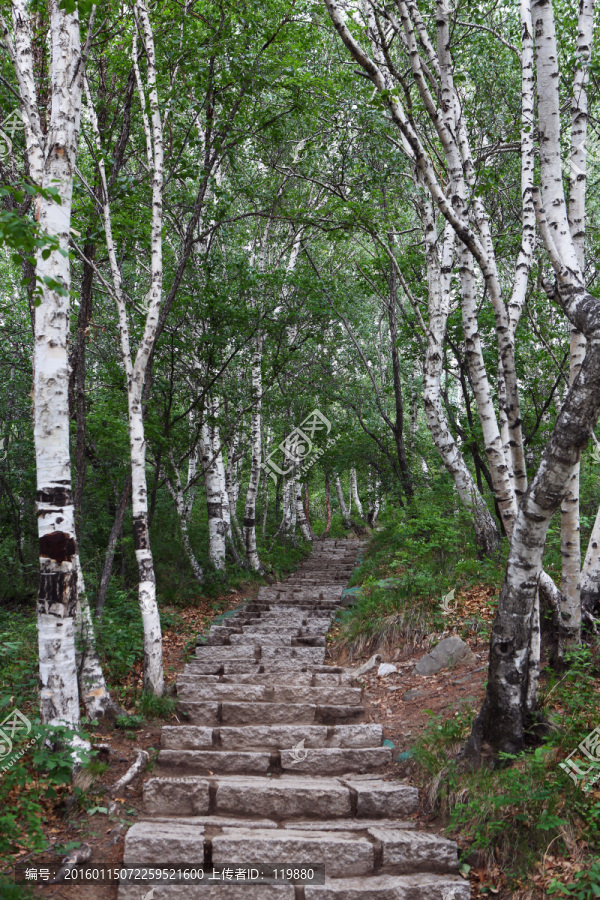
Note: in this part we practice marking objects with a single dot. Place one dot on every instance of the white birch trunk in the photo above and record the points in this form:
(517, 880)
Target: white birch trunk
(92, 685)
(354, 492)
(300, 513)
(342, 503)
(215, 491)
(289, 508)
(374, 500)
(232, 485)
(507, 711)
(570, 618)
(255, 466)
(136, 370)
(53, 166)
(439, 280)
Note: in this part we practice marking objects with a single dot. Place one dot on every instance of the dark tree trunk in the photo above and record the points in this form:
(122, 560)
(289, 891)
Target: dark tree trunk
(112, 543)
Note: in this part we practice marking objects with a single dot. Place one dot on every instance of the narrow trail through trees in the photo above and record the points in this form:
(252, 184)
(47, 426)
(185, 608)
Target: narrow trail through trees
(278, 765)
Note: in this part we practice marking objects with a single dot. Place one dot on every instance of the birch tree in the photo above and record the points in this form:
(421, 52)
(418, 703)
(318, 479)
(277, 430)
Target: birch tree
(51, 157)
(135, 366)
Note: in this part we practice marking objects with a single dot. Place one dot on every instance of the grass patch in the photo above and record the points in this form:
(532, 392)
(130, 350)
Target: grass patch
(420, 554)
(525, 807)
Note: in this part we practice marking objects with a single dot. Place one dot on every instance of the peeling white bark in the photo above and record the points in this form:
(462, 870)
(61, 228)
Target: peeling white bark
(52, 166)
(214, 482)
(354, 492)
(135, 370)
(92, 684)
(570, 617)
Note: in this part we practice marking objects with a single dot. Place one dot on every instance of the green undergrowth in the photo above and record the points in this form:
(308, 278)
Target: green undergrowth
(420, 554)
(35, 787)
(525, 806)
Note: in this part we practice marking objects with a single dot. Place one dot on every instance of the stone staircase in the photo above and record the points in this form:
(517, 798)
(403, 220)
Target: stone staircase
(278, 766)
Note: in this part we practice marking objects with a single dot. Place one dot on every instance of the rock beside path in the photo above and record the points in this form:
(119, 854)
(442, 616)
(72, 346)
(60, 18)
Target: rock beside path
(450, 652)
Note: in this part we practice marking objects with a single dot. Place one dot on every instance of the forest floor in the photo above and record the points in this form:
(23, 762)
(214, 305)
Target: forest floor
(86, 818)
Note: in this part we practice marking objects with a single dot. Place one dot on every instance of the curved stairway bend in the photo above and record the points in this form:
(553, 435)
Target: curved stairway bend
(235, 787)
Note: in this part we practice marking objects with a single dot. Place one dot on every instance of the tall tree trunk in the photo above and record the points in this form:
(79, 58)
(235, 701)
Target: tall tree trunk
(510, 707)
(327, 505)
(354, 492)
(215, 491)
(53, 167)
(137, 371)
(92, 685)
(289, 507)
(233, 486)
(570, 612)
(115, 531)
(301, 514)
(374, 501)
(342, 503)
(255, 466)
(439, 276)
(397, 381)
(184, 501)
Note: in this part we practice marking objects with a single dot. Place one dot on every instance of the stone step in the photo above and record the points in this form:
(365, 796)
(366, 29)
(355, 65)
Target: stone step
(227, 654)
(335, 760)
(279, 798)
(270, 737)
(344, 854)
(213, 762)
(269, 693)
(263, 713)
(315, 761)
(219, 668)
(302, 655)
(330, 676)
(207, 892)
(388, 887)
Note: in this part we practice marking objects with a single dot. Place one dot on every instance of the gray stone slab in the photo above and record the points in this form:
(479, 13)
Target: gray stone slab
(342, 853)
(209, 762)
(389, 887)
(336, 761)
(283, 798)
(160, 843)
(414, 851)
(186, 737)
(176, 797)
(267, 713)
(384, 798)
